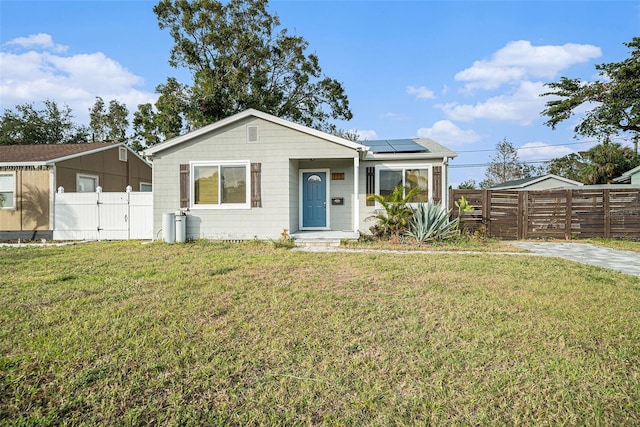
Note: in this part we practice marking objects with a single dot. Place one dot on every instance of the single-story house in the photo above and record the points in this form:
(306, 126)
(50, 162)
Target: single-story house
(253, 175)
(31, 174)
(629, 177)
(544, 182)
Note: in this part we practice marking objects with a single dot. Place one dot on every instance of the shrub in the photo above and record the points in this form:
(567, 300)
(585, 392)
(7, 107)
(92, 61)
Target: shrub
(431, 222)
(393, 219)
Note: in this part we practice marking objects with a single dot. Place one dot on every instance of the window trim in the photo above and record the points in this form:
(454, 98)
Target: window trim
(86, 175)
(192, 185)
(122, 154)
(146, 183)
(15, 185)
(403, 167)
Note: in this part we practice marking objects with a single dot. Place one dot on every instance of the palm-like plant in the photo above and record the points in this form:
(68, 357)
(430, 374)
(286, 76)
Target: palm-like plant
(394, 213)
(431, 222)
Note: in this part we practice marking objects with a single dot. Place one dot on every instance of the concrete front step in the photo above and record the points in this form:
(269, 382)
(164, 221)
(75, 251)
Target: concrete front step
(317, 243)
(330, 238)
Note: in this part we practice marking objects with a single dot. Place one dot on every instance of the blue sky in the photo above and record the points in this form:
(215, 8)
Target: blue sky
(464, 73)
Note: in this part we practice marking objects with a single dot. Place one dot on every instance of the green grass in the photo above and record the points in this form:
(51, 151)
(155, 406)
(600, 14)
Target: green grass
(625, 245)
(460, 245)
(248, 334)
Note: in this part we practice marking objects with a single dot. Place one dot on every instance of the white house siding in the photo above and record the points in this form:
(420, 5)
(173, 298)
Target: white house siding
(367, 211)
(276, 150)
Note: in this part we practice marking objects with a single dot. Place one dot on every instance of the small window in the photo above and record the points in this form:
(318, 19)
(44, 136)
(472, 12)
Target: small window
(7, 190)
(122, 154)
(146, 187)
(86, 183)
(314, 178)
(221, 185)
(252, 133)
(408, 177)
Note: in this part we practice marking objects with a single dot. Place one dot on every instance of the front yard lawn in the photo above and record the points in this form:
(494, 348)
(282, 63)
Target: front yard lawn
(248, 334)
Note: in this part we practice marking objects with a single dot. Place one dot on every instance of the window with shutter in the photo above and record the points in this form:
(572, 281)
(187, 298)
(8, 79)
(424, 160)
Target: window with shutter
(223, 184)
(409, 176)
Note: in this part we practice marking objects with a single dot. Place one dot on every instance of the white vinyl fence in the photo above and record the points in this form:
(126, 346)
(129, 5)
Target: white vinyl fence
(103, 216)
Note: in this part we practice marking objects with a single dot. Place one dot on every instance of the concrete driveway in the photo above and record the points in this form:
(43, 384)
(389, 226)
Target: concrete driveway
(586, 253)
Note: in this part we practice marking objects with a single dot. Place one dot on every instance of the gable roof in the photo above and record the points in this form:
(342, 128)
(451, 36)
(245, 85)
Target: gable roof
(46, 154)
(251, 113)
(526, 182)
(626, 177)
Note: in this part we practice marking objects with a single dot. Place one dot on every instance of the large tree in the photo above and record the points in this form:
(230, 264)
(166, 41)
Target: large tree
(238, 59)
(612, 102)
(109, 124)
(50, 125)
(598, 165)
(506, 166)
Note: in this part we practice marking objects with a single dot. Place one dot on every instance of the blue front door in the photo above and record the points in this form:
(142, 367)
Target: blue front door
(314, 199)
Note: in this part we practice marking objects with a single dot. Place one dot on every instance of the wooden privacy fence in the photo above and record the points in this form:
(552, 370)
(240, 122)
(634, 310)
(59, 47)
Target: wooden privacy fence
(560, 214)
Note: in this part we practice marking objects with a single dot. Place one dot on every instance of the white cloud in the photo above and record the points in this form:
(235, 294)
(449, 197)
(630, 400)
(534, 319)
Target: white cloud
(520, 60)
(40, 40)
(522, 106)
(365, 135)
(421, 92)
(447, 133)
(74, 80)
(537, 150)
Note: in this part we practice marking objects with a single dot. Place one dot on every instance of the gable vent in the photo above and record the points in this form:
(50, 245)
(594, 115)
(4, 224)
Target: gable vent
(122, 154)
(252, 133)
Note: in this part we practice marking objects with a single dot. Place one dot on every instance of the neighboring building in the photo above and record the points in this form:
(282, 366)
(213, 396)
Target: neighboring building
(629, 177)
(30, 175)
(254, 175)
(545, 182)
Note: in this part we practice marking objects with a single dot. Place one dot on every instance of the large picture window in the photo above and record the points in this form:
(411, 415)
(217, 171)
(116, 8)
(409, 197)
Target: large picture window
(220, 184)
(409, 177)
(7, 190)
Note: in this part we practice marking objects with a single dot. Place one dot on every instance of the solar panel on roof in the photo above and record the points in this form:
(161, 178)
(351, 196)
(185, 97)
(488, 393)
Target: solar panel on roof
(395, 146)
(380, 146)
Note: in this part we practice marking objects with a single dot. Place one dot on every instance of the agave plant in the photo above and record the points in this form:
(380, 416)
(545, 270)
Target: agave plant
(392, 220)
(431, 222)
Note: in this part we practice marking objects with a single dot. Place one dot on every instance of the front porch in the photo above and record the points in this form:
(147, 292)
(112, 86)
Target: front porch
(323, 238)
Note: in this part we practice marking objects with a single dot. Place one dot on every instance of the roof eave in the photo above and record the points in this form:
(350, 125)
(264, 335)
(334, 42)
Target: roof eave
(83, 153)
(408, 156)
(149, 152)
(21, 164)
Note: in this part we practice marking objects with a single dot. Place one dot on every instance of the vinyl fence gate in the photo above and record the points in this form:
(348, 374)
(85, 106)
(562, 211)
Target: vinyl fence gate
(103, 216)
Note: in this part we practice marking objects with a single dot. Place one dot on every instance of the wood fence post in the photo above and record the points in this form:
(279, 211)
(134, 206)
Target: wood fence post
(523, 217)
(568, 216)
(486, 210)
(607, 216)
